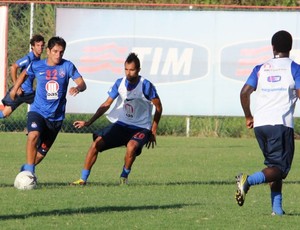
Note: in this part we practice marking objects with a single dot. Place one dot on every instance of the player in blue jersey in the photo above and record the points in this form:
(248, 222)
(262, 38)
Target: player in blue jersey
(277, 86)
(26, 92)
(47, 111)
(131, 118)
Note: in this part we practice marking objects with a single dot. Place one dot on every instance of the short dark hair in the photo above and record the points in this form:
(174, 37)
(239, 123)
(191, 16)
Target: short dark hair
(36, 38)
(282, 41)
(56, 41)
(132, 57)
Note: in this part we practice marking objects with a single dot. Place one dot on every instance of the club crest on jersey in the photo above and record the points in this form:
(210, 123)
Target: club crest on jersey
(52, 88)
(33, 125)
(62, 73)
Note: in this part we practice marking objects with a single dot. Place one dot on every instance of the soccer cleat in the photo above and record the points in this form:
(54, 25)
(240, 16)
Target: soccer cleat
(79, 182)
(123, 180)
(242, 188)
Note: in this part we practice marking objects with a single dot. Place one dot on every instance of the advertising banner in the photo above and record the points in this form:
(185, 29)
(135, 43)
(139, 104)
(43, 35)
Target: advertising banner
(198, 60)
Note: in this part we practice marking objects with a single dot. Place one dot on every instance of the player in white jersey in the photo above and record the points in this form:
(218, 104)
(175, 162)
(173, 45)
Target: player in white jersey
(131, 118)
(277, 86)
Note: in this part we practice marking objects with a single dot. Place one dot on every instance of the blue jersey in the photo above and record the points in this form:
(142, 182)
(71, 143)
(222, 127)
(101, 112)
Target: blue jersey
(23, 63)
(51, 87)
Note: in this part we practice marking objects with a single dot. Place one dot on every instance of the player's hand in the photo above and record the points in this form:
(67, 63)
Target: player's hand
(79, 124)
(249, 122)
(20, 91)
(152, 141)
(12, 94)
(73, 91)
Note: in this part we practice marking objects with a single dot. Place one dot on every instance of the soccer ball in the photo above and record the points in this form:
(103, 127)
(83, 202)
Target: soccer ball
(25, 180)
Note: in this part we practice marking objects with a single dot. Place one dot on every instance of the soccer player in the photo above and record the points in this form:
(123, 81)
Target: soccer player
(277, 86)
(26, 92)
(131, 118)
(47, 111)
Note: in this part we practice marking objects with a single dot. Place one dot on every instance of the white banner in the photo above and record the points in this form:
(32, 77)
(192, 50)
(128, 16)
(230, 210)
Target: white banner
(198, 60)
(3, 50)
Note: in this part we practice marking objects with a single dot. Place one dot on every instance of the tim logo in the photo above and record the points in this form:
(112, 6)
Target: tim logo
(162, 60)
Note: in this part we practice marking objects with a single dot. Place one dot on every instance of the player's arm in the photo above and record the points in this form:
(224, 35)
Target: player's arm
(156, 118)
(13, 71)
(81, 86)
(157, 115)
(100, 111)
(245, 94)
(22, 77)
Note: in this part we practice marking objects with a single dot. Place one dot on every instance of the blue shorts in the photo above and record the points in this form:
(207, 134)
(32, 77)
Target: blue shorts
(116, 135)
(48, 130)
(278, 146)
(24, 98)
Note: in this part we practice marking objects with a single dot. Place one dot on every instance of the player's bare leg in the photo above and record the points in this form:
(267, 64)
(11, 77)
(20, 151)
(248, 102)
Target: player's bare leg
(31, 150)
(129, 158)
(6, 111)
(90, 160)
(39, 157)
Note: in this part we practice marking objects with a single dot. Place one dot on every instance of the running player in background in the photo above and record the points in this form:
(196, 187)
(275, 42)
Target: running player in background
(47, 111)
(26, 92)
(277, 86)
(131, 118)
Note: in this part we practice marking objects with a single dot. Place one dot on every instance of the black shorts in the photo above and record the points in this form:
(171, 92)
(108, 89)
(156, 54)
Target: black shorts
(277, 144)
(48, 130)
(116, 135)
(24, 98)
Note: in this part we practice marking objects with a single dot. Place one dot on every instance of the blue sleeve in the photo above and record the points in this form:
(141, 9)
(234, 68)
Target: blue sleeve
(113, 91)
(295, 68)
(23, 62)
(73, 72)
(29, 70)
(149, 90)
(252, 79)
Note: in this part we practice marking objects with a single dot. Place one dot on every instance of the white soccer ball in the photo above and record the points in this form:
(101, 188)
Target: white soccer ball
(25, 180)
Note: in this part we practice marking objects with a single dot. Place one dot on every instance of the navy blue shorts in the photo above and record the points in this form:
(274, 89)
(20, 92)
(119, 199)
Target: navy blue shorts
(48, 130)
(24, 98)
(278, 146)
(116, 135)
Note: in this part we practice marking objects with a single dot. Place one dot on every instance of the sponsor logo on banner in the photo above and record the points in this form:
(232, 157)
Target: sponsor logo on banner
(238, 60)
(162, 60)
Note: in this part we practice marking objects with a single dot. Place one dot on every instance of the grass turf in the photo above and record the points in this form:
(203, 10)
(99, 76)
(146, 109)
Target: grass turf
(183, 183)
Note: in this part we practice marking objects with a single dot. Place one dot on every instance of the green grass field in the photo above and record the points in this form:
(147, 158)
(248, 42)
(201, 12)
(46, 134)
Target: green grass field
(184, 183)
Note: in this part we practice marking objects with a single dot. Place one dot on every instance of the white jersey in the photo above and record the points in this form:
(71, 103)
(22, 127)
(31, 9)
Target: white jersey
(276, 94)
(132, 107)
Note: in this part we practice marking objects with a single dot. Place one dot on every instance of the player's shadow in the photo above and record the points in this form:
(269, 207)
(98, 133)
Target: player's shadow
(92, 210)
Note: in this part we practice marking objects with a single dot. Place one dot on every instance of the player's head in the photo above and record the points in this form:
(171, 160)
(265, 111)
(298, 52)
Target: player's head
(36, 38)
(132, 67)
(56, 41)
(132, 57)
(37, 43)
(282, 41)
(55, 50)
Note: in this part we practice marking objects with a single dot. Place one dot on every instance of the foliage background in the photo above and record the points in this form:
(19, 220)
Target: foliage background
(44, 23)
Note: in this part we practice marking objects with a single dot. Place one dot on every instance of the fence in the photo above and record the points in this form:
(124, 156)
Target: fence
(27, 18)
